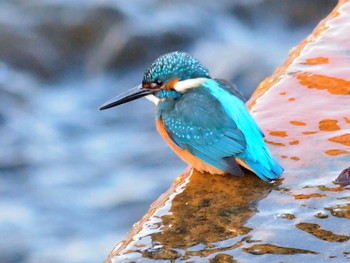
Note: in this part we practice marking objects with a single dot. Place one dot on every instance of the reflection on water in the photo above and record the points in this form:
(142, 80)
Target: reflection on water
(200, 215)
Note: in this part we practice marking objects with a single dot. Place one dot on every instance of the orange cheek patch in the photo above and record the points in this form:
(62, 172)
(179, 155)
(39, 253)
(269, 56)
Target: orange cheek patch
(170, 84)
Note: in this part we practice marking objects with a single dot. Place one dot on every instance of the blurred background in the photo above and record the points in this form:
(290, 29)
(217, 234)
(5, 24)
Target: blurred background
(73, 180)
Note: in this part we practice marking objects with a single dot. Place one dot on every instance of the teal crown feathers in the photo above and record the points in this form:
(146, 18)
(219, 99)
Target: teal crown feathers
(175, 64)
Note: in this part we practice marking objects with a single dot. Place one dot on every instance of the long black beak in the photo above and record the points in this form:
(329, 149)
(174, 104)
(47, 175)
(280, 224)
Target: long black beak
(130, 95)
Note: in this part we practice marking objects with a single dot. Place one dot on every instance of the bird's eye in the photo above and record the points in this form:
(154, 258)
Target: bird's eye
(153, 85)
(159, 83)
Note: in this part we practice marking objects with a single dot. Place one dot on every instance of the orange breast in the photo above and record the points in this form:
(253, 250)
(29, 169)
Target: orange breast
(185, 155)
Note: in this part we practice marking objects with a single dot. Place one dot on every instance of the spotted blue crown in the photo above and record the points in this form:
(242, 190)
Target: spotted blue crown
(172, 65)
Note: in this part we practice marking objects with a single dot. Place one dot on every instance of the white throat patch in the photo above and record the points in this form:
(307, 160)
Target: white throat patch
(152, 98)
(184, 85)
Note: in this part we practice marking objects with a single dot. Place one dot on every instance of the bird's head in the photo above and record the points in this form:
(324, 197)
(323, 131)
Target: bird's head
(167, 78)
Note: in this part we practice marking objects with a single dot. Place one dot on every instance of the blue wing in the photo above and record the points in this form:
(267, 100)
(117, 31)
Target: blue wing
(199, 124)
(212, 122)
(256, 154)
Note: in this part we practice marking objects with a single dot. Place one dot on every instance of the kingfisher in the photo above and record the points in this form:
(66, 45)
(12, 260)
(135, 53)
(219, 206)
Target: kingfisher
(204, 120)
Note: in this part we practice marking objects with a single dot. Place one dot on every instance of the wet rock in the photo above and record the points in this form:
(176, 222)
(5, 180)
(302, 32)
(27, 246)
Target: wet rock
(199, 222)
(344, 177)
(272, 249)
(320, 233)
(321, 215)
(161, 253)
(340, 210)
(222, 258)
(286, 216)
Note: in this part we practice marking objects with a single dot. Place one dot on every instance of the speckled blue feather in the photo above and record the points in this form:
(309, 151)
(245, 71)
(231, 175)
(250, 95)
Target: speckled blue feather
(195, 122)
(174, 65)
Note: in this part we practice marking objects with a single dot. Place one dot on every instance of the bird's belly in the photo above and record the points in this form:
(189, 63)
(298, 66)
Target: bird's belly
(185, 155)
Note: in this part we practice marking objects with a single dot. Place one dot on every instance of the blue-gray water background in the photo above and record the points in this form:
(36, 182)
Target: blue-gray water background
(73, 180)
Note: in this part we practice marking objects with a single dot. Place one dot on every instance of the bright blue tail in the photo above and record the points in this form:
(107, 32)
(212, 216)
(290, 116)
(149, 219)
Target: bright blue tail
(268, 170)
(256, 155)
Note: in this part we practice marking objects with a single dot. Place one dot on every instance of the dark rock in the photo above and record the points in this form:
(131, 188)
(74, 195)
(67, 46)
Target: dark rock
(344, 177)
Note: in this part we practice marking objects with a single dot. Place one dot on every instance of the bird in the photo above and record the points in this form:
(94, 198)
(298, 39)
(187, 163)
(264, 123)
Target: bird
(203, 119)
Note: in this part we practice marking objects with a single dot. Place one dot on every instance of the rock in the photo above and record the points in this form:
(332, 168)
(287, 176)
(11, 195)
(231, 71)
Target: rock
(343, 178)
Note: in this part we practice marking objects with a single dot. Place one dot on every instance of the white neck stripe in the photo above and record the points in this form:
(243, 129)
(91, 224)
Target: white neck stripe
(184, 85)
